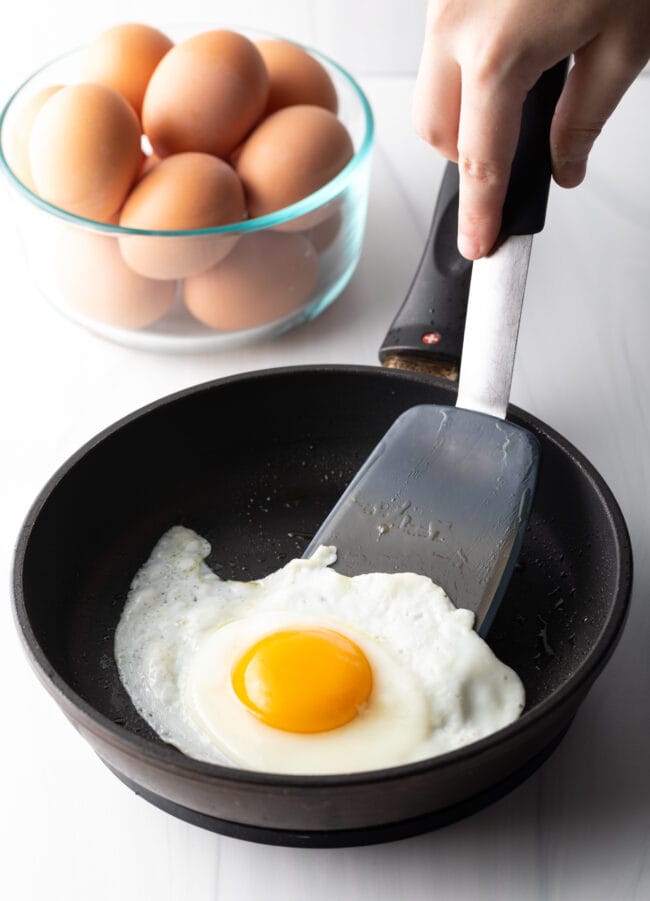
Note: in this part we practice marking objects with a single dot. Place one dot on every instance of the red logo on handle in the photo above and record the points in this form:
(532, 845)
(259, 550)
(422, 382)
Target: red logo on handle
(431, 337)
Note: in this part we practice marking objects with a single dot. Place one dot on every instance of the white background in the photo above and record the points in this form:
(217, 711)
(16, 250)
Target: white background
(580, 828)
(368, 36)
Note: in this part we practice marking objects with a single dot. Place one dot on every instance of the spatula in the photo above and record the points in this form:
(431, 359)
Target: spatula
(447, 491)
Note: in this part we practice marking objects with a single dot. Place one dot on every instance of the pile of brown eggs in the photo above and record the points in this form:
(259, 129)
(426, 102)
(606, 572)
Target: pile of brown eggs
(232, 129)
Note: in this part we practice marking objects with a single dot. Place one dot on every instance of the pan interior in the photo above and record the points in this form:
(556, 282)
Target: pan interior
(254, 464)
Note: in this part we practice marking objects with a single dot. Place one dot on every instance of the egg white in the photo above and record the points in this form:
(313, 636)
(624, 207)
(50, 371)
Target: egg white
(436, 683)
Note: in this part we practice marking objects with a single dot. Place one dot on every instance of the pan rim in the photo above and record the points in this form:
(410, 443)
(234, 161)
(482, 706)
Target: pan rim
(165, 757)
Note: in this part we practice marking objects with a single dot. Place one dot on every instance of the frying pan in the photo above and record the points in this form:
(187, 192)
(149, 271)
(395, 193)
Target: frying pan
(254, 462)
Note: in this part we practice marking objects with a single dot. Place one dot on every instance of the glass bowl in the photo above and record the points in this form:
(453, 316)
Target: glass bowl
(296, 260)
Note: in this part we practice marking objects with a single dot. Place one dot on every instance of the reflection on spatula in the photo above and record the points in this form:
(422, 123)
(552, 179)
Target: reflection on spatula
(447, 491)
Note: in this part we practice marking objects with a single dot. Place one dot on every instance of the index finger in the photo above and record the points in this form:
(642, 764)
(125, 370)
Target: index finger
(490, 119)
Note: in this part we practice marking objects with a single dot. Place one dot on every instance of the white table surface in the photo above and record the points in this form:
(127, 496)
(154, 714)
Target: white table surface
(580, 827)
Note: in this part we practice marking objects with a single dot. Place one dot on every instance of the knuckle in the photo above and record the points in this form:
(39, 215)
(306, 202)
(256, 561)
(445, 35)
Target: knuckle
(499, 58)
(435, 137)
(431, 132)
(487, 65)
(484, 172)
(425, 128)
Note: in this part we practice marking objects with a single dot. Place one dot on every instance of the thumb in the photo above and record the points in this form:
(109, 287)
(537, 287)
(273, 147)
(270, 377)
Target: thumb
(602, 73)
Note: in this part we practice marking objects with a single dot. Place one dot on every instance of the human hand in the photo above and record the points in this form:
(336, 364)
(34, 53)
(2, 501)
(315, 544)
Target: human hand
(481, 57)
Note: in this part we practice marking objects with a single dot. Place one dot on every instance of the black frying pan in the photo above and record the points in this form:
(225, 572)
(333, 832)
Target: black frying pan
(253, 463)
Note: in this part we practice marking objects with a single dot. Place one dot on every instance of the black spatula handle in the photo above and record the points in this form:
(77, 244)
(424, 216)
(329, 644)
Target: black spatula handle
(431, 320)
(428, 329)
(524, 209)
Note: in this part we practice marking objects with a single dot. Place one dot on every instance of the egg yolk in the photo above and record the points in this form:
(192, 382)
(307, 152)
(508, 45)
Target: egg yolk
(308, 680)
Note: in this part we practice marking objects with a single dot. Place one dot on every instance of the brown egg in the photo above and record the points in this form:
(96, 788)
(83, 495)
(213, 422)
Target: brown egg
(206, 95)
(324, 233)
(295, 77)
(17, 150)
(150, 160)
(124, 57)
(290, 155)
(184, 191)
(84, 150)
(267, 276)
(92, 278)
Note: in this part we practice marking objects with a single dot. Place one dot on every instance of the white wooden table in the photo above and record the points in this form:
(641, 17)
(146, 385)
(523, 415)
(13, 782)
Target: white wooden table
(579, 828)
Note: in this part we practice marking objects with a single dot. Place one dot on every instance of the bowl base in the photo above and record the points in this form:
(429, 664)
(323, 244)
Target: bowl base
(345, 838)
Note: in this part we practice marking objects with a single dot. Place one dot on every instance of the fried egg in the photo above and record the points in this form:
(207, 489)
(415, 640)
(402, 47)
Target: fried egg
(305, 671)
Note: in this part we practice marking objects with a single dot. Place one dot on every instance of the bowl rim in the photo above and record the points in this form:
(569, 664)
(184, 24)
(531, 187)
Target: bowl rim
(287, 214)
(166, 757)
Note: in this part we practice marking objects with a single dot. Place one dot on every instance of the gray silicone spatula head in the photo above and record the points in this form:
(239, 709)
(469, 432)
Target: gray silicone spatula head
(447, 491)
(445, 494)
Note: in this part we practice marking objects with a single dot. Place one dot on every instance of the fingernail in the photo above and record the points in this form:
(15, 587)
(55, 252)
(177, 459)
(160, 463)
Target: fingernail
(468, 247)
(571, 172)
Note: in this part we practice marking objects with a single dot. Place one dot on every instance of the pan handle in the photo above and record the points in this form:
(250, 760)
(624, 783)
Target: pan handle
(430, 323)
(427, 332)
